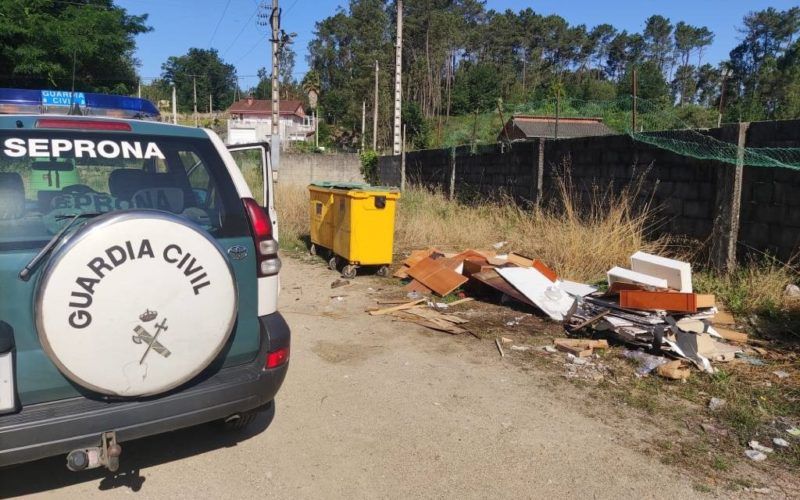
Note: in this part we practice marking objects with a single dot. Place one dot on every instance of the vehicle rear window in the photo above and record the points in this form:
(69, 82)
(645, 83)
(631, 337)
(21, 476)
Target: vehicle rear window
(48, 176)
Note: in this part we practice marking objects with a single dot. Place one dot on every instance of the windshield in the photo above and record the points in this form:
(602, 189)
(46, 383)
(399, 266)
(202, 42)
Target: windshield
(48, 176)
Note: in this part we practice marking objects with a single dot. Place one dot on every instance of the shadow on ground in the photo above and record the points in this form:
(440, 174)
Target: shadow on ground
(51, 473)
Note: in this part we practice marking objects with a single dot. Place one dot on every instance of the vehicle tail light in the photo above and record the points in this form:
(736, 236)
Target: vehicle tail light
(83, 124)
(277, 358)
(267, 260)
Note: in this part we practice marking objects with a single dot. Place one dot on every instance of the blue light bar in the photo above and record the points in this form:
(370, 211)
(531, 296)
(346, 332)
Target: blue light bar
(59, 102)
(133, 105)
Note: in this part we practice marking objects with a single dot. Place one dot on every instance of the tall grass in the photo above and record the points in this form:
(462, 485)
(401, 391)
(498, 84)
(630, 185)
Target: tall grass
(757, 286)
(580, 239)
(291, 201)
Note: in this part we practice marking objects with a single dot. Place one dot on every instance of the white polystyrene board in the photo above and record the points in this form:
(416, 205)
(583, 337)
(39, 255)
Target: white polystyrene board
(6, 383)
(616, 321)
(677, 273)
(167, 285)
(622, 275)
(576, 289)
(711, 331)
(533, 285)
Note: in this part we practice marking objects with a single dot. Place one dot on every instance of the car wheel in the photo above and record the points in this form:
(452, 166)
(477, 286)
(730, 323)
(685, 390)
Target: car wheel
(383, 271)
(349, 271)
(333, 264)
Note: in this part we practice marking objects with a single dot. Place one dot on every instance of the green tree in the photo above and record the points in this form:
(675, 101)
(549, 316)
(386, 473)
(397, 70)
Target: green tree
(416, 126)
(767, 35)
(476, 89)
(205, 68)
(263, 89)
(651, 84)
(40, 40)
(658, 40)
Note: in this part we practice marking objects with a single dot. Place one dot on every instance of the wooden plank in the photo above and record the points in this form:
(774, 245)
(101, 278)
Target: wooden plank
(418, 256)
(580, 347)
(495, 281)
(439, 325)
(658, 301)
(430, 314)
(399, 307)
(704, 300)
(402, 272)
(416, 286)
(519, 260)
(474, 265)
(436, 276)
(591, 320)
(460, 301)
(731, 335)
(542, 268)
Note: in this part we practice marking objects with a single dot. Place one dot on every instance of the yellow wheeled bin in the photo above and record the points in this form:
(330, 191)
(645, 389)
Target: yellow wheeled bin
(355, 223)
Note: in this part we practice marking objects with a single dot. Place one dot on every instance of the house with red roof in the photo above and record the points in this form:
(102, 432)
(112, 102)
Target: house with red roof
(251, 121)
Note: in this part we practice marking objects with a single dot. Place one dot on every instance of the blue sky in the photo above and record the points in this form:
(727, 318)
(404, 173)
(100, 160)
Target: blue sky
(181, 24)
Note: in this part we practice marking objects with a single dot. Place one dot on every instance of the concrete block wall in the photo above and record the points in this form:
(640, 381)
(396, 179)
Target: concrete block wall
(770, 216)
(302, 169)
(680, 188)
(685, 191)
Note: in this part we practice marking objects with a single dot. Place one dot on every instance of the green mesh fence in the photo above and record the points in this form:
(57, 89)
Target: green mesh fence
(680, 129)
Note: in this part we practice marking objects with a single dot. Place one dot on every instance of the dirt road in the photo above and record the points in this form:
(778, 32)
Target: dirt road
(376, 408)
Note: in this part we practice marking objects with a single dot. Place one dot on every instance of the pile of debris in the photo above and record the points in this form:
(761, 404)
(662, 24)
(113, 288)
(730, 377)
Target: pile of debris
(651, 305)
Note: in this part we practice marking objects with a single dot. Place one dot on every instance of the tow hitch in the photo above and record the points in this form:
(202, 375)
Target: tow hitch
(106, 455)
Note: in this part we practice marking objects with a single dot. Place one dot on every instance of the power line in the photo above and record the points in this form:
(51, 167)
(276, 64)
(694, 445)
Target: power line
(290, 7)
(221, 17)
(245, 25)
(259, 42)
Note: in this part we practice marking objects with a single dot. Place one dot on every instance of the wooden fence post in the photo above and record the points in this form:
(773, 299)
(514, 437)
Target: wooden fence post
(540, 173)
(725, 233)
(452, 172)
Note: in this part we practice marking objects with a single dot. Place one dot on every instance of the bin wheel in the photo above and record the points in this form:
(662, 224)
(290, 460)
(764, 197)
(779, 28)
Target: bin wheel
(383, 271)
(349, 271)
(333, 264)
(313, 249)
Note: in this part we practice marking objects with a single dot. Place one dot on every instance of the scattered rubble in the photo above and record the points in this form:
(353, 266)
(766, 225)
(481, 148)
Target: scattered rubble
(716, 403)
(780, 442)
(650, 306)
(759, 447)
(755, 456)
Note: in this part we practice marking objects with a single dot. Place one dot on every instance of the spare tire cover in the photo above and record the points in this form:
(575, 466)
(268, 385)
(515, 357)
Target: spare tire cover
(135, 303)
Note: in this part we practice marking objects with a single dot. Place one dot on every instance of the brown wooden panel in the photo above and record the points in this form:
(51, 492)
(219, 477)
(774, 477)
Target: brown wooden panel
(436, 276)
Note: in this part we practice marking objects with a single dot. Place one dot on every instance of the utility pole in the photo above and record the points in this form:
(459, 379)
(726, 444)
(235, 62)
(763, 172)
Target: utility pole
(375, 113)
(725, 74)
(398, 67)
(633, 111)
(363, 122)
(174, 104)
(194, 84)
(210, 104)
(139, 91)
(274, 20)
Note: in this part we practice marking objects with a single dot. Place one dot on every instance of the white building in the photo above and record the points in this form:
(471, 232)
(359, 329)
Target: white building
(251, 121)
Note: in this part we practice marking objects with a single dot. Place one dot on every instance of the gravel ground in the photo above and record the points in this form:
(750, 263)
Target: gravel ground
(379, 408)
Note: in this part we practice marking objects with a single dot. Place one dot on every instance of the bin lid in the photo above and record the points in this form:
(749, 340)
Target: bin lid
(352, 186)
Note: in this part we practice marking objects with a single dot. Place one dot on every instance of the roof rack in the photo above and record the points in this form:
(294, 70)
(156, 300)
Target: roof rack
(61, 102)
